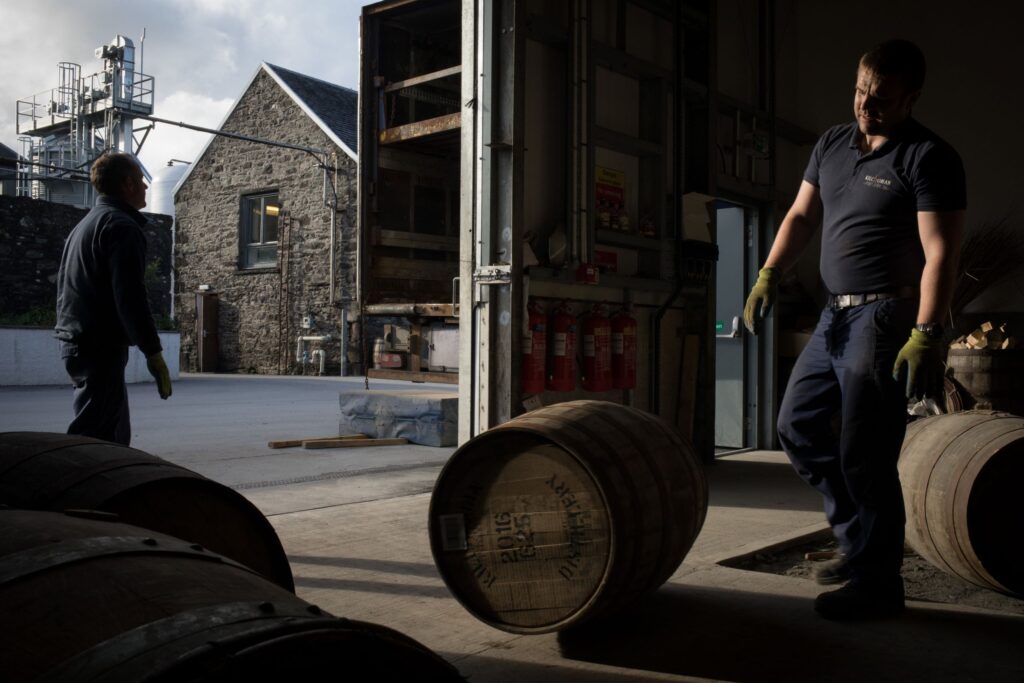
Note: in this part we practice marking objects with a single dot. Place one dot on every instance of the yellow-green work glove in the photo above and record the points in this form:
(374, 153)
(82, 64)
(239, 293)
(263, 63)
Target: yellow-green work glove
(923, 357)
(158, 368)
(762, 296)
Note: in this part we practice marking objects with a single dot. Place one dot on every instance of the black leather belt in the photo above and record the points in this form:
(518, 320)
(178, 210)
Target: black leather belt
(840, 301)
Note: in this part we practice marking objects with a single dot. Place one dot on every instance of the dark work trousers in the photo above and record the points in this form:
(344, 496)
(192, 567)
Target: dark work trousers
(101, 397)
(846, 370)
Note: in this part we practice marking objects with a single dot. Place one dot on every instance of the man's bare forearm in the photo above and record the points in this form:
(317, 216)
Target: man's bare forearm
(794, 235)
(937, 280)
(941, 234)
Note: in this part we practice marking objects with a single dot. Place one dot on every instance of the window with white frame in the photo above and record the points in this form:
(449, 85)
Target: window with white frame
(259, 230)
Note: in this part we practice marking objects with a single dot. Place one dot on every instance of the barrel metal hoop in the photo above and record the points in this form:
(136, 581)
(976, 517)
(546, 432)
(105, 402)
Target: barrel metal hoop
(171, 639)
(36, 560)
(13, 456)
(48, 495)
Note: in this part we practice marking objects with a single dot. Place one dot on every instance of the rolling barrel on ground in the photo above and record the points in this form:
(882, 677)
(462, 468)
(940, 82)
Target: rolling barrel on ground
(44, 471)
(564, 513)
(95, 600)
(961, 475)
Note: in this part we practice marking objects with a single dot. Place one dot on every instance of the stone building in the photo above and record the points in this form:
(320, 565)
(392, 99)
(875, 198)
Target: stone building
(270, 231)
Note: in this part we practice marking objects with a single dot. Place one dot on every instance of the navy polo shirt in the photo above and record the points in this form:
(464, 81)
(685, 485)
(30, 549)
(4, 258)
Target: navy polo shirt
(870, 240)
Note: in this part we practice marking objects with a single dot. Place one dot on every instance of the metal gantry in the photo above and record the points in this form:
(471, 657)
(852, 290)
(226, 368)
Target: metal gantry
(62, 130)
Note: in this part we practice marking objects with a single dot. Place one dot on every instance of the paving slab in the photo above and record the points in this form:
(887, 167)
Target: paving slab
(372, 561)
(219, 426)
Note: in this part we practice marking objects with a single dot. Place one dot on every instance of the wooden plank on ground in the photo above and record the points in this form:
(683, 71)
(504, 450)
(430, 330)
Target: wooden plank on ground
(292, 443)
(353, 443)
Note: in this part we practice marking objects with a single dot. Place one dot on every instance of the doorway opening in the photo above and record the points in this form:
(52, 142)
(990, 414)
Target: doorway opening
(736, 350)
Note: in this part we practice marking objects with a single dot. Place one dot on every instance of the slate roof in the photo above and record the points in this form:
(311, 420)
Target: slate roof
(335, 105)
(334, 108)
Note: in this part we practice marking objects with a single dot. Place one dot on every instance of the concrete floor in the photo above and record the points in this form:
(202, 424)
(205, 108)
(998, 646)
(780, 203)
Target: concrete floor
(353, 523)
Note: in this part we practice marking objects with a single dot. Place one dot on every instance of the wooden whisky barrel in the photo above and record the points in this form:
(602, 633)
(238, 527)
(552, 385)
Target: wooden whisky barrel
(961, 476)
(87, 599)
(993, 377)
(43, 471)
(564, 513)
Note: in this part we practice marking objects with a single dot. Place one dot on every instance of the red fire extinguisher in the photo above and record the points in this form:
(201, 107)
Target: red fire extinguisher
(597, 351)
(534, 354)
(623, 350)
(562, 376)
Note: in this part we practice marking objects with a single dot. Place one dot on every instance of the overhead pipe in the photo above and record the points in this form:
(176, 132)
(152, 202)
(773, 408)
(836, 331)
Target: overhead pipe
(319, 154)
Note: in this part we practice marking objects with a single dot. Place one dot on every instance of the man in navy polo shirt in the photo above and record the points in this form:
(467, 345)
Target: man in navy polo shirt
(890, 196)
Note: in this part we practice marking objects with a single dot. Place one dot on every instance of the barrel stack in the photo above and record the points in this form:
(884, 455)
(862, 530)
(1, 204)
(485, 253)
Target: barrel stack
(121, 566)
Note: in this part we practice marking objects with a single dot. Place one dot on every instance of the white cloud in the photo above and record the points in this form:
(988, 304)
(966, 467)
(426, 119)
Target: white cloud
(201, 53)
(172, 142)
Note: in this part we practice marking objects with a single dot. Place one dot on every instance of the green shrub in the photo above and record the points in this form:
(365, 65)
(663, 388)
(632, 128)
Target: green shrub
(37, 316)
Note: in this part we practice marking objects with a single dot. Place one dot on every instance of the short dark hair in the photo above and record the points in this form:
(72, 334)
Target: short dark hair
(110, 170)
(897, 58)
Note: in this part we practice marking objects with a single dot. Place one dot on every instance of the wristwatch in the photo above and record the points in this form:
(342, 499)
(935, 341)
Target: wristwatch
(932, 330)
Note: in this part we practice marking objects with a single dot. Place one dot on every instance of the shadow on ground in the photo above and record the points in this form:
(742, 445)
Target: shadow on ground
(743, 636)
(746, 483)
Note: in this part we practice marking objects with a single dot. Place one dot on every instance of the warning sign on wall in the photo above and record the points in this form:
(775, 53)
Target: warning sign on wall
(610, 199)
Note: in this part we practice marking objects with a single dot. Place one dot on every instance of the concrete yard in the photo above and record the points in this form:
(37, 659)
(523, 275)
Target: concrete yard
(353, 522)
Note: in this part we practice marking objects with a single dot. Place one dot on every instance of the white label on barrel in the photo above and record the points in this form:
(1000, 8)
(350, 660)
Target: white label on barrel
(453, 532)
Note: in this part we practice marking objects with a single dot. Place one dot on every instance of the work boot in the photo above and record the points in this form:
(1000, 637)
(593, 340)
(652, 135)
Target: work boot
(860, 599)
(832, 571)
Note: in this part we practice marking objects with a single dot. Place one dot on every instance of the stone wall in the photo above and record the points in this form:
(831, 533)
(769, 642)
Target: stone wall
(32, 234)
(261, 310)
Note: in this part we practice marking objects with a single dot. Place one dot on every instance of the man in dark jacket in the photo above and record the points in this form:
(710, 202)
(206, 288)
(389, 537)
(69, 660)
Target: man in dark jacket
(102, 307)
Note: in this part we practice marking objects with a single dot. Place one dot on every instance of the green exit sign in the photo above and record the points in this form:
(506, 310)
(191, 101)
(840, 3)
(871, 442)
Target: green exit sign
(719, 325)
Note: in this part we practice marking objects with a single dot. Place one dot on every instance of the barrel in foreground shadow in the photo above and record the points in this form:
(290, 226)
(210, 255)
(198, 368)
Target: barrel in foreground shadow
(95, 600)
(564, 513)
(43, 471)
(961, 475)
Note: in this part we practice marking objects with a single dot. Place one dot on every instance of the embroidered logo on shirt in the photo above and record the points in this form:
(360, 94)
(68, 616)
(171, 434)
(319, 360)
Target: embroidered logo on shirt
(877, 183)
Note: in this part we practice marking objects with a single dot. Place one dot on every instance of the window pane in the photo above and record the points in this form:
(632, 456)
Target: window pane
(254, 222)
(266, 256)
(270, 228)
(258, 231)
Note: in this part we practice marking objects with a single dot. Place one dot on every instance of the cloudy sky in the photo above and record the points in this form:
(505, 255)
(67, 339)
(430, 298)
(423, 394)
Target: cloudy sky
(201, 53)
